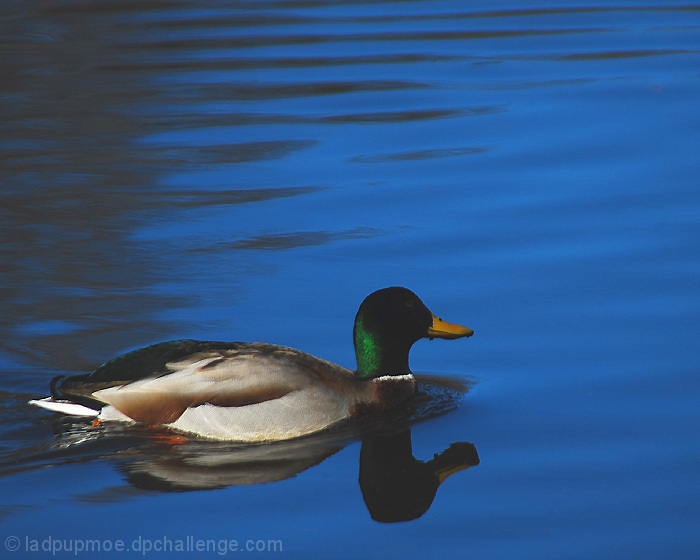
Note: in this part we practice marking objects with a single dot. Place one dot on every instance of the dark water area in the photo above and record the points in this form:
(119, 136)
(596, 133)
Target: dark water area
(252, 170)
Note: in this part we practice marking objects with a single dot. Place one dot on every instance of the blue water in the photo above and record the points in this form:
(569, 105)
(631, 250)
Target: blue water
(251, 171)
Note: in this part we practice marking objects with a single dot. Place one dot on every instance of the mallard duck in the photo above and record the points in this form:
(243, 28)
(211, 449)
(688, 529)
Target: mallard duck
(256, 391)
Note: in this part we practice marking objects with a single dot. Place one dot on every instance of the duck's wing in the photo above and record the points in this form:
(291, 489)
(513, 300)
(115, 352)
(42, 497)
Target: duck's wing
(148, 362)
(228, 378)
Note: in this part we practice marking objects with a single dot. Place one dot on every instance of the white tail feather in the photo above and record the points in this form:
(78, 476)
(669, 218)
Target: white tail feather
(65, 407)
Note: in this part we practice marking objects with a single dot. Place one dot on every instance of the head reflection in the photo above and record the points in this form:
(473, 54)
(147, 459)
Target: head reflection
(398, 487)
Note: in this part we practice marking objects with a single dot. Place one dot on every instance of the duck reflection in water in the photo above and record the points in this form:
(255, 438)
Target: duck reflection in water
(395, 485)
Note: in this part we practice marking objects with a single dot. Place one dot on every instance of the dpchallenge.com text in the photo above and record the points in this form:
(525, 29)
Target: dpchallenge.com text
(140, 545)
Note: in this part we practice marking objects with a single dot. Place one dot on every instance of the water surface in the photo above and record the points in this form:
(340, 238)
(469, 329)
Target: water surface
(251, 170)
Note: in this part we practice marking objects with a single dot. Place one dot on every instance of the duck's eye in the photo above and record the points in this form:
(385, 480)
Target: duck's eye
(409, 304)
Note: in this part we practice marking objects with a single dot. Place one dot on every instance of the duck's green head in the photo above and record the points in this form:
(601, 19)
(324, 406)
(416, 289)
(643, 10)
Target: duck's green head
(387, 324)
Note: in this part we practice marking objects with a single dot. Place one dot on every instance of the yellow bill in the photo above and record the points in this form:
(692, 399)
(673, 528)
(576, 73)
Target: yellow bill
(443, 329)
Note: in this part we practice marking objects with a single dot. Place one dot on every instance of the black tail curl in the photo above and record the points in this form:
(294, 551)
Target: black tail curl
(53, 387)
(58, 393)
